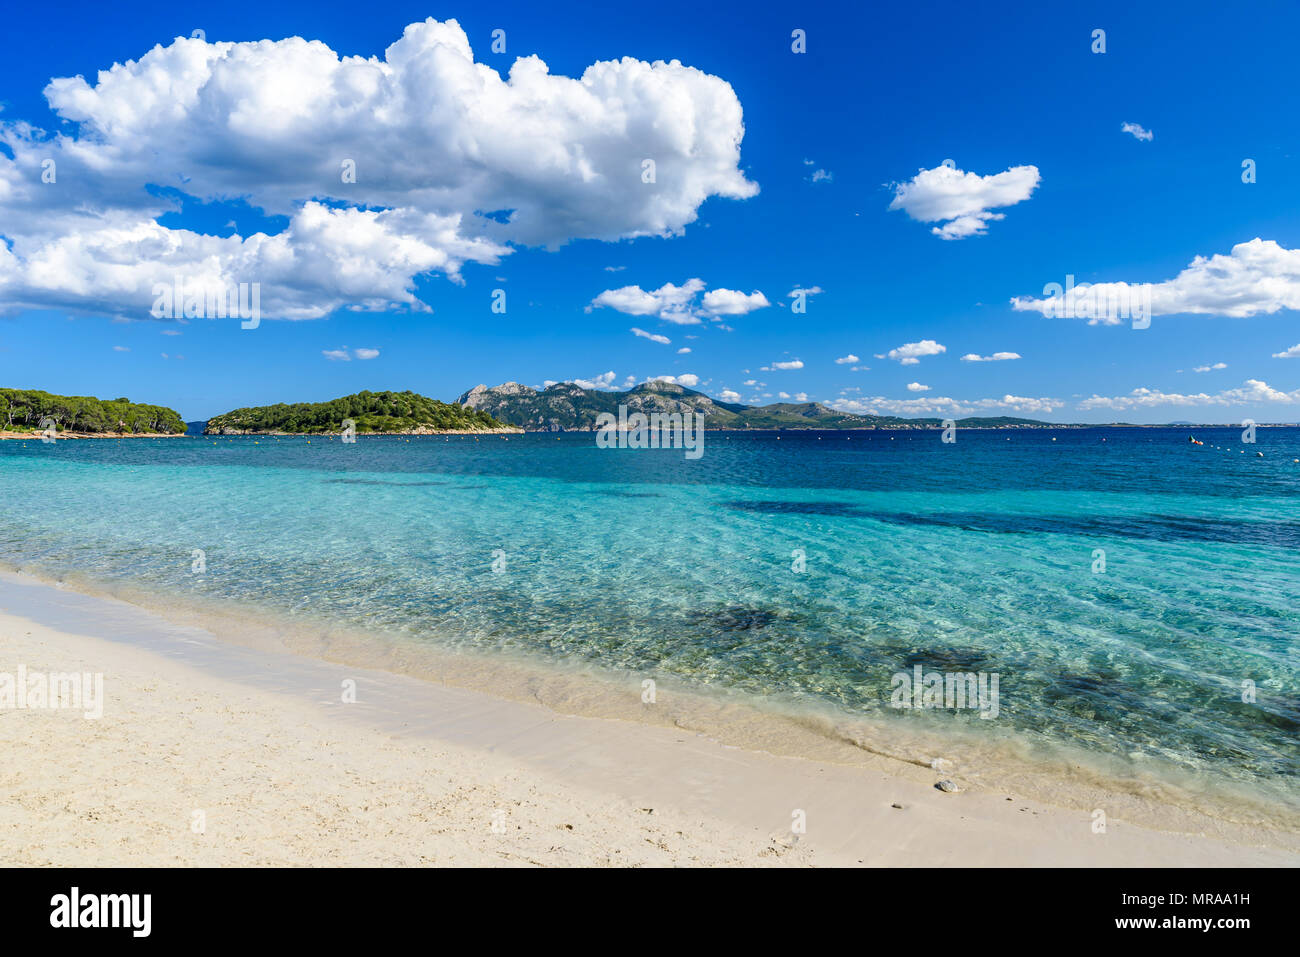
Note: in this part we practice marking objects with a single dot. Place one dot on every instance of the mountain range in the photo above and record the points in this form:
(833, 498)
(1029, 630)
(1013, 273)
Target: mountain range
(566, 407)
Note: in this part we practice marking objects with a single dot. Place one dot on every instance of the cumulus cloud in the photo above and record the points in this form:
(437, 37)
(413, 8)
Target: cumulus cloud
(786, 365)
(366, 353)
(1138, 132)
(960, 201)
(1214, 368)
(690, 380)
(909, 354)
(1291, 353)
(662, 340)
(726, 395)
(669, 302)
(679, 304)
(943, 405)
(385, 168)
(847, 360)
(1251, 392)
(996, 357)
(1258, 276)
(730, 302)
(917, 387)
(602, 381)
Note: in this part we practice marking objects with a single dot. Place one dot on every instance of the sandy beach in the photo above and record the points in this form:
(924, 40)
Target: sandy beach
(211, 753)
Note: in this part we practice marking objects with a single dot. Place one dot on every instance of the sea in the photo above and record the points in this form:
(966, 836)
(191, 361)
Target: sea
(1131, 597)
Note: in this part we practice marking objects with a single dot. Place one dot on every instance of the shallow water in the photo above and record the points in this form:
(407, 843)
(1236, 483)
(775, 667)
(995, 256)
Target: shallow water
(977, 556)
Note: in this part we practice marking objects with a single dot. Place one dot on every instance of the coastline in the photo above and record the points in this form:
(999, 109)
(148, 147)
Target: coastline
(263, 735)
(36, 436)
(330, 435)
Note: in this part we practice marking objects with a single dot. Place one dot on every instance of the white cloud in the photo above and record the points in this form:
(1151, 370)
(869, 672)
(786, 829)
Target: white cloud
(669, 302)
(342, 355)
(847, 360)
(677, 304)
(690, 380)
(909, 354)
(996, 357)
(943, 405)
(821, 176)
(726, 395)
(1292, 353)
(1258, 276)
(1251, 392)
(963, 199)
(171, 332)
(683, 350)
(662, 340)
(121, 349)
(1214, 368)
(1138, 132)
(602, 381)
(730, 302)
(917, 387)
(785, 366)
(435, 136)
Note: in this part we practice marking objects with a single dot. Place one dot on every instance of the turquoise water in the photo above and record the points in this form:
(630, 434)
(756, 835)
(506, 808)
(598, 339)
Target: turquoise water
(972, 557)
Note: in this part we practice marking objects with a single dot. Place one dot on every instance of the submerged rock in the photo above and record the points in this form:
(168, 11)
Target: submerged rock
(735, 618)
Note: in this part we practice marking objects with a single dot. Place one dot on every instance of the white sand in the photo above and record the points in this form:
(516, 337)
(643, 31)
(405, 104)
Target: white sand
(416, 773)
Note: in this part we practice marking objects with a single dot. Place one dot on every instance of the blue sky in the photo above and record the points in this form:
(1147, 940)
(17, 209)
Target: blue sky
(880, 95)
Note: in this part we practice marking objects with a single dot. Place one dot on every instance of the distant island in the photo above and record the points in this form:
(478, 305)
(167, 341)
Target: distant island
(387, 413)
(27, 413)
(566, 407)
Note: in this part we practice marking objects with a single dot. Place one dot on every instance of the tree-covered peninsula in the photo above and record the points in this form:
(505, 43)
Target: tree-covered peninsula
(25, 411)
(371, 412)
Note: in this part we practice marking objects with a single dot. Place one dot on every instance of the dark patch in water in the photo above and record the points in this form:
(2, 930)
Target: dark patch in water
(352, 481)
(1165, 528)
(1152, 527)
(948, 659)
(795, 508)
(734, 618)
